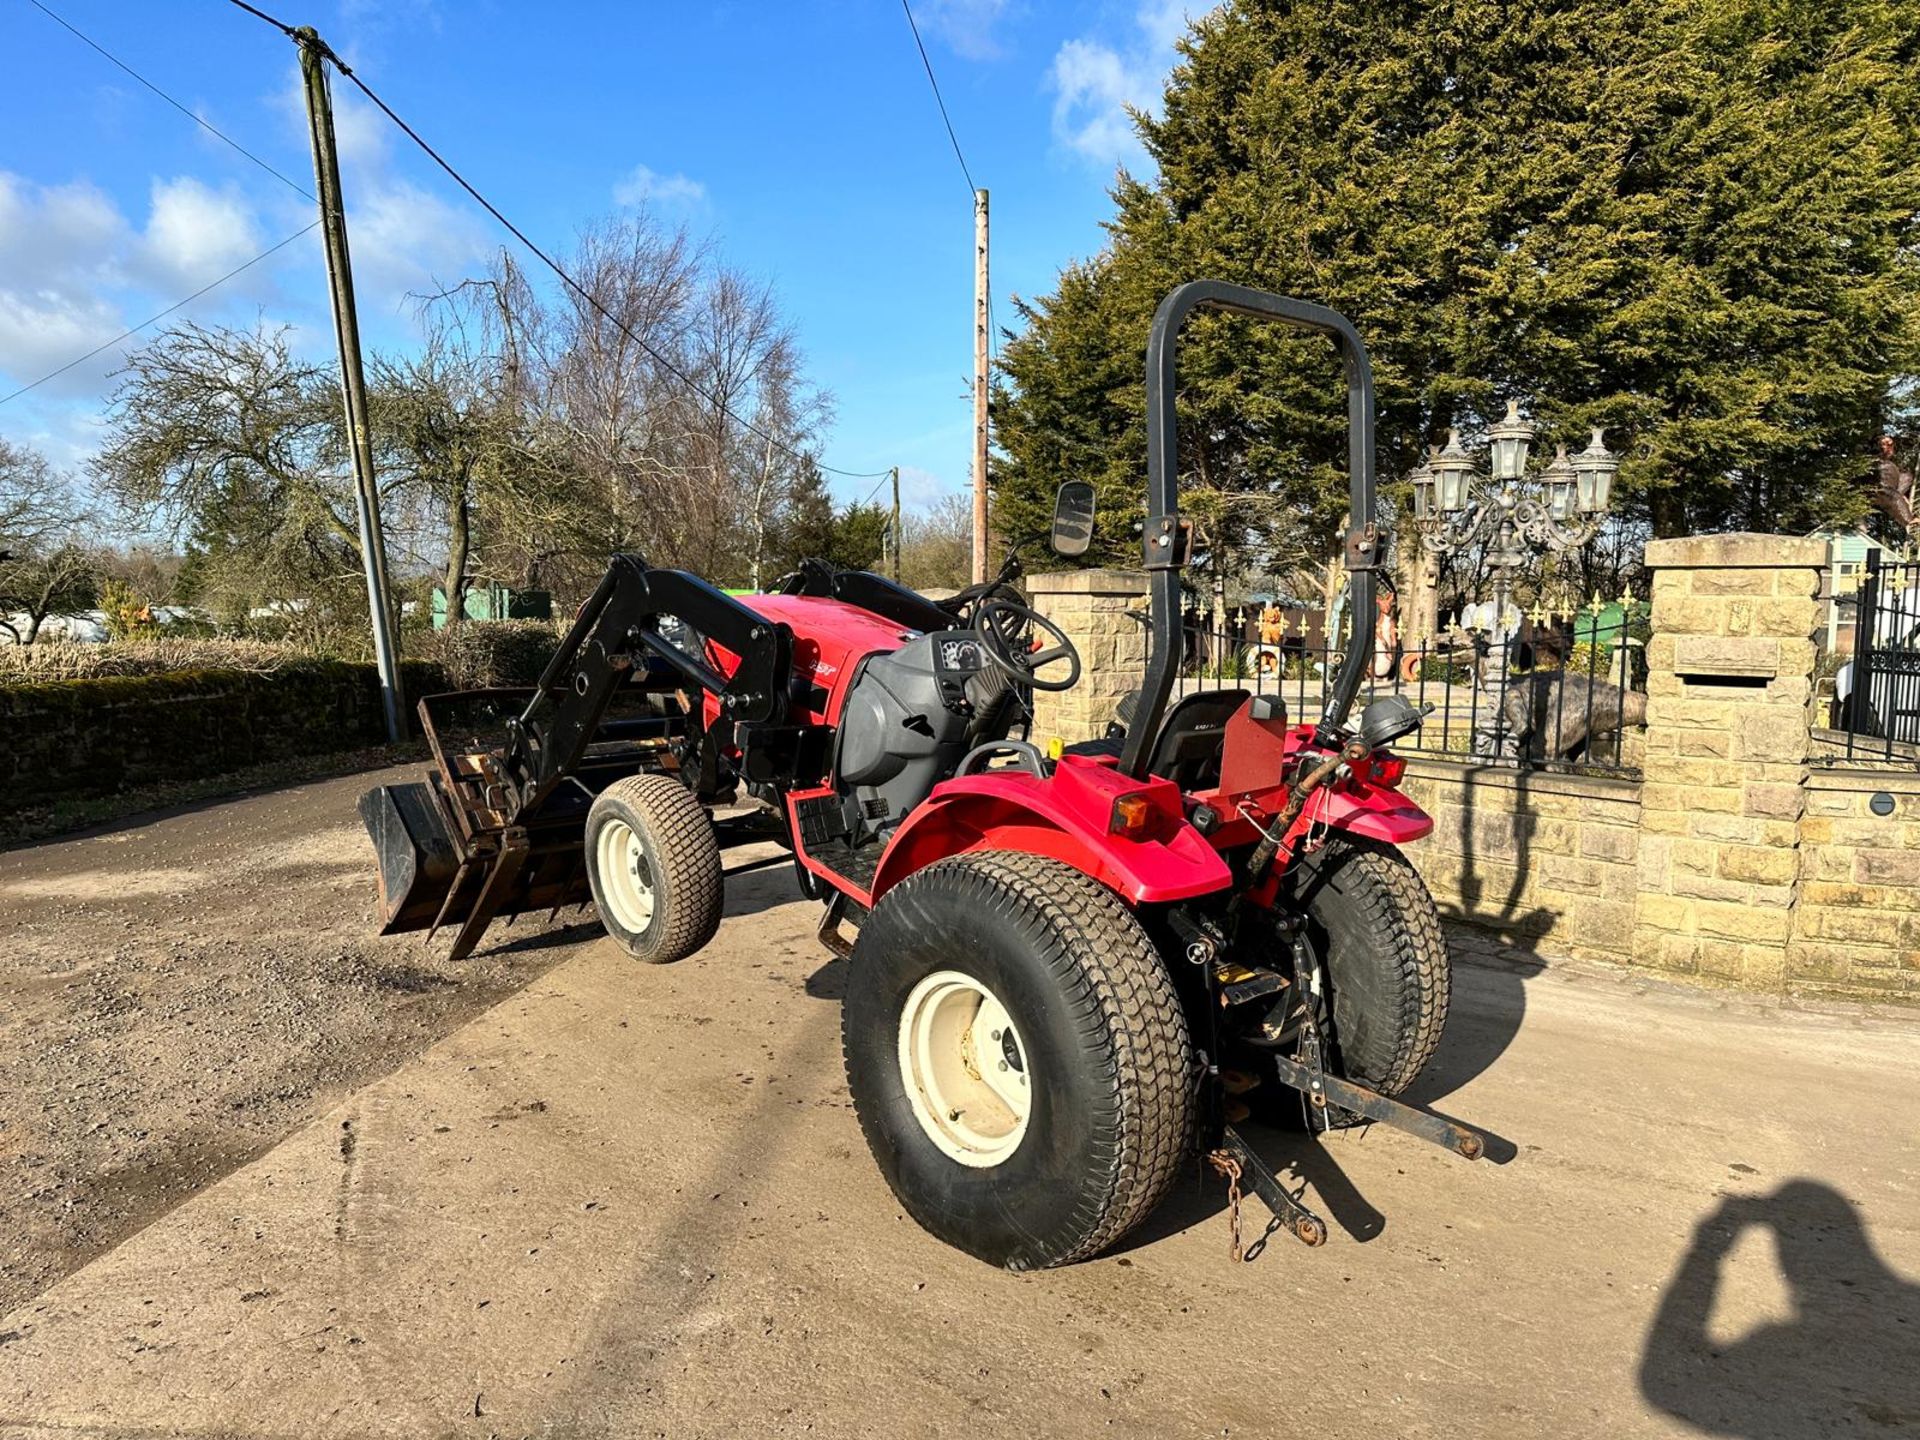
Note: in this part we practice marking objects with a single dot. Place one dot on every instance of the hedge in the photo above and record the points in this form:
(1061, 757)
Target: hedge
(480, 654)
(73, 739)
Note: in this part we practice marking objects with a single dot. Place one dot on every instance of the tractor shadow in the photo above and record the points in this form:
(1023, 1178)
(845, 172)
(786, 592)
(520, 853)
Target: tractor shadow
(1307, 1166)
(1485, 1014)
(829, 982)
(752, 892)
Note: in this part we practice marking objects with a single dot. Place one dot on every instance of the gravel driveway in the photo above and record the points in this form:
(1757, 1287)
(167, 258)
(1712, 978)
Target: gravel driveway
(267, 1175)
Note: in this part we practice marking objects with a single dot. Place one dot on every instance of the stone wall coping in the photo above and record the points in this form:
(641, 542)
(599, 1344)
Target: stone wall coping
(1088, 582)
(1741, 550)
(1861, 781)
(1623, 789)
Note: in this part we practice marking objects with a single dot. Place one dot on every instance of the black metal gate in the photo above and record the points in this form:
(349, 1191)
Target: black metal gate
(1877, 690)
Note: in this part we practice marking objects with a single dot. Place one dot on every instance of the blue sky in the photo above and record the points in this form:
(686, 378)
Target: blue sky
(801, 137)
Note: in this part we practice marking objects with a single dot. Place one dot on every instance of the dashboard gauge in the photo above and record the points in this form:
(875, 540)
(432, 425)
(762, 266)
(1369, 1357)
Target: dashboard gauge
(961, 654)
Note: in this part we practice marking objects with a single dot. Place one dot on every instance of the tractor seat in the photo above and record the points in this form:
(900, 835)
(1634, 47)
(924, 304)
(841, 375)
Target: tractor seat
(1187, 750)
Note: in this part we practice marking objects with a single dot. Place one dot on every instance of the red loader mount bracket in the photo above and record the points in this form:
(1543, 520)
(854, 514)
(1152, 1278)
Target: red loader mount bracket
(1063, 954)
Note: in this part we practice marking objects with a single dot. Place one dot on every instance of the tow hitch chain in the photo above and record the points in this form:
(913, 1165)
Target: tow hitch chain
(1236, 1160)
(1223, 1162)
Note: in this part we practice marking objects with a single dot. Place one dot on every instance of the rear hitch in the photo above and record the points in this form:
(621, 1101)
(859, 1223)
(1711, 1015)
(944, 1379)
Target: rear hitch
(1237, 1161)
(1324, 1089)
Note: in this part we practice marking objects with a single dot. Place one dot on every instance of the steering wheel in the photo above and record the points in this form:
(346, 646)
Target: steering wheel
(996, 620)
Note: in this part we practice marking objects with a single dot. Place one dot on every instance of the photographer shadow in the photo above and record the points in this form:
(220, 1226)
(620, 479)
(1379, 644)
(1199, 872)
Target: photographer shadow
(1847, 1362)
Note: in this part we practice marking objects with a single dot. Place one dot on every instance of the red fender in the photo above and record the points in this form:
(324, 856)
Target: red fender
(1065, 816)
(1373, 810)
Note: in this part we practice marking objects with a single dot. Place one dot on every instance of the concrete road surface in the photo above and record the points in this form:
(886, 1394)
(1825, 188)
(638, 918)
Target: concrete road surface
(630, 1201)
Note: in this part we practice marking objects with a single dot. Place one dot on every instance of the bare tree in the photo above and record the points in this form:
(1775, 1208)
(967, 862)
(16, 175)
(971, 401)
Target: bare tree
(936, 552)
(46, 566)
(675, 394)
(450, 433)
(216, 420)
(233, 444)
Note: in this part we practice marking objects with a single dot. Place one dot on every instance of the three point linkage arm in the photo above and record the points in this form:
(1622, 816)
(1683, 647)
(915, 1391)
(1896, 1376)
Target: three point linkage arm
(617, 629)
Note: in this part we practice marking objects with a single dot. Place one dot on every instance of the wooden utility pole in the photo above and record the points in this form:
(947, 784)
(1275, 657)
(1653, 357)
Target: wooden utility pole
(896, 522)
(979, 386)
(353, 381)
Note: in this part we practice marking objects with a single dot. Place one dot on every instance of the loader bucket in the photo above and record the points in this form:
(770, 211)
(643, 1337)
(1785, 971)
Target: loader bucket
(415, 849)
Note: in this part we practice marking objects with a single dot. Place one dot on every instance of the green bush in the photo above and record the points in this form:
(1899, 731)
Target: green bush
(480, 654)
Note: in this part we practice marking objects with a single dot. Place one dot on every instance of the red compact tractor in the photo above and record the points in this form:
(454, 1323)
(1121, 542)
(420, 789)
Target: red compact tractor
(1062, 965)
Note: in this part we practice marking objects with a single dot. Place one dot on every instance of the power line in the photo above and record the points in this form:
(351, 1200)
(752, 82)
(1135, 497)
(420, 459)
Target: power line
(993, 330)
(659, 359)
(921, 47)
(197, 119)
(129, 334)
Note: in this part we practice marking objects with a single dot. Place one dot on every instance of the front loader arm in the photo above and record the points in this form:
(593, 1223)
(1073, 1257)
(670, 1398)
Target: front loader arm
(617, 628)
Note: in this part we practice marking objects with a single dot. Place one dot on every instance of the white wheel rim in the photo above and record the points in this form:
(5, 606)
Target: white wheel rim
(966, 1071)
(626, 880)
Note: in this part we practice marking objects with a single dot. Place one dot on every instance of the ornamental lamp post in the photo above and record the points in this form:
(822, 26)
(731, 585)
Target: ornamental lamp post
(1560, 509)
(1562, 481)
(1507, 444)
(1422, 477)
(1595, 468)
(1453, 475)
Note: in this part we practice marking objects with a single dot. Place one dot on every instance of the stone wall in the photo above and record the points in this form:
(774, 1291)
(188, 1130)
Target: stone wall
(1730, 671)
(1095, 608)
(1532, 857)
(1856, 912)
(1733, 861)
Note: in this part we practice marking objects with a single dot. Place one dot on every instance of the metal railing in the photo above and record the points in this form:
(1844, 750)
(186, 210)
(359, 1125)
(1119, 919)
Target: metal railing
(1563, 694)
(1876, 699)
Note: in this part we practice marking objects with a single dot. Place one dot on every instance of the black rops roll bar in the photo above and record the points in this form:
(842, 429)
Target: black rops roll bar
(1165, 548)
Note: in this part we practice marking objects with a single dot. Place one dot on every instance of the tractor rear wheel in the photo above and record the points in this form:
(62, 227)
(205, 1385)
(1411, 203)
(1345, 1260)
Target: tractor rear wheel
(1018, 1058)
(654, 866)
(1374, 926)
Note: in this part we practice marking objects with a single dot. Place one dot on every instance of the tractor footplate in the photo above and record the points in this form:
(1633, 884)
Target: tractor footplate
(1237, 1161)
(830, 933)
(1327, 1089)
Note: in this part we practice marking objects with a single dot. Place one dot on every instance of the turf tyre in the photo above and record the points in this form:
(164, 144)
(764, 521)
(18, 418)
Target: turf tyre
(1377, 932)
(1107, 1051)
(673, 839)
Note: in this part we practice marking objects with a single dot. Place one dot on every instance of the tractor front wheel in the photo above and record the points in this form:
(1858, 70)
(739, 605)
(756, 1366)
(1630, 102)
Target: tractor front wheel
(654, 866)
(1018, 1058)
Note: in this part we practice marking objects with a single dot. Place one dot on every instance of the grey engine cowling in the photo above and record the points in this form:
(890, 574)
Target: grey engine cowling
(904, 727)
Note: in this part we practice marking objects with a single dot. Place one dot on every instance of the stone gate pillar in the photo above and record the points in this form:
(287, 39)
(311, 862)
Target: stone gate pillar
(1092, 607)
(1730, 670)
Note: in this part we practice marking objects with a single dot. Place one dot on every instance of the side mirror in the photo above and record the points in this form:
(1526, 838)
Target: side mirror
(1072, 519)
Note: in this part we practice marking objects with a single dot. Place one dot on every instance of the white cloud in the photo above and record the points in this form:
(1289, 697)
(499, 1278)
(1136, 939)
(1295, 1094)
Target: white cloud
(75, 272)
(195, 234)
(43, 330)
(48, 234)
(406, 240)
(966, 25)
(1095, 83)
(922, 489)
(646, 186)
